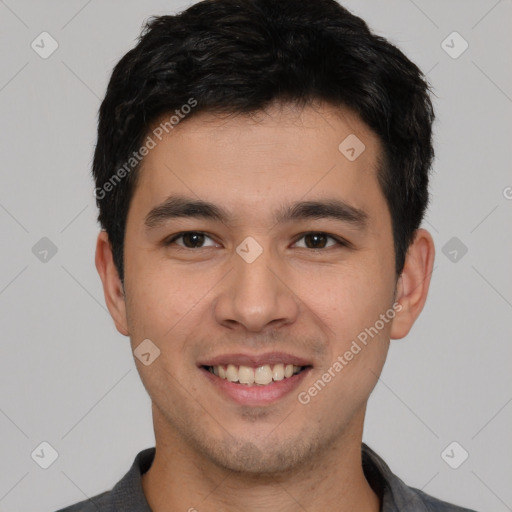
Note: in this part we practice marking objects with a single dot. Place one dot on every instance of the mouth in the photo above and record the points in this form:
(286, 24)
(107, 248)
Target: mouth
(255, 380)
(263, 375)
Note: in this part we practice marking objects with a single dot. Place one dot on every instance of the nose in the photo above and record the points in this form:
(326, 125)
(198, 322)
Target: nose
(257, 293)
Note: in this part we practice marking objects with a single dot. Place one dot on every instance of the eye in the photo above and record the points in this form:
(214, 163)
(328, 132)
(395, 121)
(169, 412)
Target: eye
(191, 239)
(313, 240)
(318, 240)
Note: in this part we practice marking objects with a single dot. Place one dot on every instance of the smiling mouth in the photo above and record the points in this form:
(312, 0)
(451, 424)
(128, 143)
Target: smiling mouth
(261, 375)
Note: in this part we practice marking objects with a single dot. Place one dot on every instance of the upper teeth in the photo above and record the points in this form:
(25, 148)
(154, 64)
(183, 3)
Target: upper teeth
(261, 375)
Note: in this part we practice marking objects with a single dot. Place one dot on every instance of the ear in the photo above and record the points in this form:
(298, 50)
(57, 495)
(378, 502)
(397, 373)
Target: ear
(413, 283)
(112, 286)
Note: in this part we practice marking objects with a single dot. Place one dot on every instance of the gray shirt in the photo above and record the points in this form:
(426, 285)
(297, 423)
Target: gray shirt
(395, 495)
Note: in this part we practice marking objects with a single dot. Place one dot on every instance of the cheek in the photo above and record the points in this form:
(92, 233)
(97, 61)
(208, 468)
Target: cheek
(351, 298)
(359, 342)
(164, 301)
(167, 308)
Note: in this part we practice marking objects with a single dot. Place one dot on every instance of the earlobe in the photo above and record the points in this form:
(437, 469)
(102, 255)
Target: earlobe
(112, 286)
(413, 283)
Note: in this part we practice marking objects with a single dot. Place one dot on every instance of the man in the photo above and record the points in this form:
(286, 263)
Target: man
(261, 174)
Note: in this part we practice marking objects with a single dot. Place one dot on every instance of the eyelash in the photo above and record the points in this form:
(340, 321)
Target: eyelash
(339, 241)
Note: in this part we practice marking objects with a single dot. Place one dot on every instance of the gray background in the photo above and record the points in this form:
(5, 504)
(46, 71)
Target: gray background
(68, 377)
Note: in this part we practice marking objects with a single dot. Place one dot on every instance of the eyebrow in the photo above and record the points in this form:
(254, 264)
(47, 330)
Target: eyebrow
(178, 206)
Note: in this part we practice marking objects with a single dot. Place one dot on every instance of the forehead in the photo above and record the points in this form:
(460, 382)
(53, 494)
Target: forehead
(245, 161)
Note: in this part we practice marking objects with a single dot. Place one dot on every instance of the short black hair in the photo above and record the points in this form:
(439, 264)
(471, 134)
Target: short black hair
(240, 56)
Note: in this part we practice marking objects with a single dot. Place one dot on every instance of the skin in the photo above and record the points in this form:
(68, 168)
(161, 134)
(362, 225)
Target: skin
(195, 303)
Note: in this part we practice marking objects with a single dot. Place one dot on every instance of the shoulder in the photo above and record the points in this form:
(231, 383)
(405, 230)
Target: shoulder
(99, 503)
(395, 494)
(126, 495)
(436, 505)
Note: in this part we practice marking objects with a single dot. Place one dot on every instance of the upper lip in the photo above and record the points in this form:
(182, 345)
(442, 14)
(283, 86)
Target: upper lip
(253, 360)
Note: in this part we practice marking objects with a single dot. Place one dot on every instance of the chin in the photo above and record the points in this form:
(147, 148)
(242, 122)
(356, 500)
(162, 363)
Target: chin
(258, 460)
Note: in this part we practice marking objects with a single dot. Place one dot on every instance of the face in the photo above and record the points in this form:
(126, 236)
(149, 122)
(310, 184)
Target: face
(260, 281)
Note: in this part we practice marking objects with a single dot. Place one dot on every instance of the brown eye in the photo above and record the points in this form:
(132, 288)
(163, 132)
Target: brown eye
(318, 240)
(191, 239)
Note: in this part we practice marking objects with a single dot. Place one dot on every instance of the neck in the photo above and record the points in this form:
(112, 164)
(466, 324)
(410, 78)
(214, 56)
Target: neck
(182, 479)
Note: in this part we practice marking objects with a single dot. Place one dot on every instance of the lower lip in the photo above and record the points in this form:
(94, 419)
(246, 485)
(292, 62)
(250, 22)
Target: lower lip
(256, 394)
